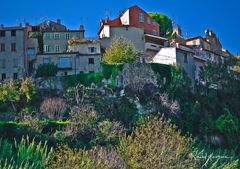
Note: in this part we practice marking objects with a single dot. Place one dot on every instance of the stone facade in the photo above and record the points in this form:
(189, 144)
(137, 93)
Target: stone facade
(57, 41)
(12, 52)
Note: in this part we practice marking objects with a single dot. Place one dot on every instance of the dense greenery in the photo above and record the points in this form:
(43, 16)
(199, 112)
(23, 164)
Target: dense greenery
(165, 24)
(172, 125)
(46, 70)
(120, 51)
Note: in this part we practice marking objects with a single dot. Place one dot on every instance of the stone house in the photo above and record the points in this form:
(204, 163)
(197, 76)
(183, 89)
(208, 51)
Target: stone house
(79, 58)
(12, 52)
(57, 41)
(136, 26)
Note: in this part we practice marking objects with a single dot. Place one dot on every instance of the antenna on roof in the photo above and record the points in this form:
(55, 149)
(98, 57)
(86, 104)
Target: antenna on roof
(106, 13)
(19, 21)
(81, 20)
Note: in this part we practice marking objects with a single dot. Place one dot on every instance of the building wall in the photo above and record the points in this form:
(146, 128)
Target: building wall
(78, 63)
(166, 56)
(186, 64)
(10, 58)
(125, 18)
(85, 48)
(175, 56)
(133, 34)
(105, 33)
(50, 40)
(134, 20)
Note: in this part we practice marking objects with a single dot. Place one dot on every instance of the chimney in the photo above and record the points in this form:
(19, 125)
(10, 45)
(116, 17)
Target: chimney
(27, 24)
(81, 28)
(59, 21)
(107, 19)
(2, 26)
(20, 24)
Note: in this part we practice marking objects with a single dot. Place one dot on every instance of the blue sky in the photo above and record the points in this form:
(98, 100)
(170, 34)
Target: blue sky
(194, 16)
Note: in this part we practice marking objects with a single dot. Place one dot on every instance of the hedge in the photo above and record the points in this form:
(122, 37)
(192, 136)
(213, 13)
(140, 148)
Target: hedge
(162, 70)
(107, 71)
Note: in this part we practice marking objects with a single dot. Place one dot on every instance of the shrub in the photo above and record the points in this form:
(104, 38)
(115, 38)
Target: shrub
(109, 132)
(23, 154)
(54, 108)
(46, 70)
(75, 159)
(120, 51)
(84, 79)
(156, 144)
(107, 69)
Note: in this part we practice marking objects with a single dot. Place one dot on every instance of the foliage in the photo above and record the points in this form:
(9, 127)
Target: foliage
(84, 79)
(227, 123)
(108, 132)
(17, 92)
(165, 24)
(54, 108)
(46, 70)
(28, 88)
(81, 159)
(26, 153)
(39, 37)
(156, 144)
(120, 51)
(162, 70)
(107, 69)
(207, 157)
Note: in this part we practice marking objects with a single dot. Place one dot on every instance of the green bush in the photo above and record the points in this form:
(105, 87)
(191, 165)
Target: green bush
(107, 69)
(84, 79)
(162, 70)
(26, 153)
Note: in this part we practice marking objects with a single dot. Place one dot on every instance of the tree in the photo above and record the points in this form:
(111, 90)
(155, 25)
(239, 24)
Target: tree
(46, 70)
(16, 92)
(165, 24)
(120, 51)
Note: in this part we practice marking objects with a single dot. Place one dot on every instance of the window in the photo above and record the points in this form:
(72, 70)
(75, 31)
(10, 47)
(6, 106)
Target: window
(91, 71)
(46, 48)
(65, 73)
(141, 17)
(126, 28)
(65, 62)
(3, 76)
(31, 52)
(91, 61)
(149, 21)
(81, 72)
(67, 35)
(15, 63)
(185, 58)
(13, 47)
(57, 48)
(15, 76)
(2, 64)
(46, 60)
(154, 23)
(13, 32)
(155, 32)
(2, 47)
(92, 50)
(47, 36)
(2, 33)
(56, 36)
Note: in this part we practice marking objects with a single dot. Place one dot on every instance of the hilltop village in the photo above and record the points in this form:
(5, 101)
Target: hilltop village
(24, 48)
(140, 95)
